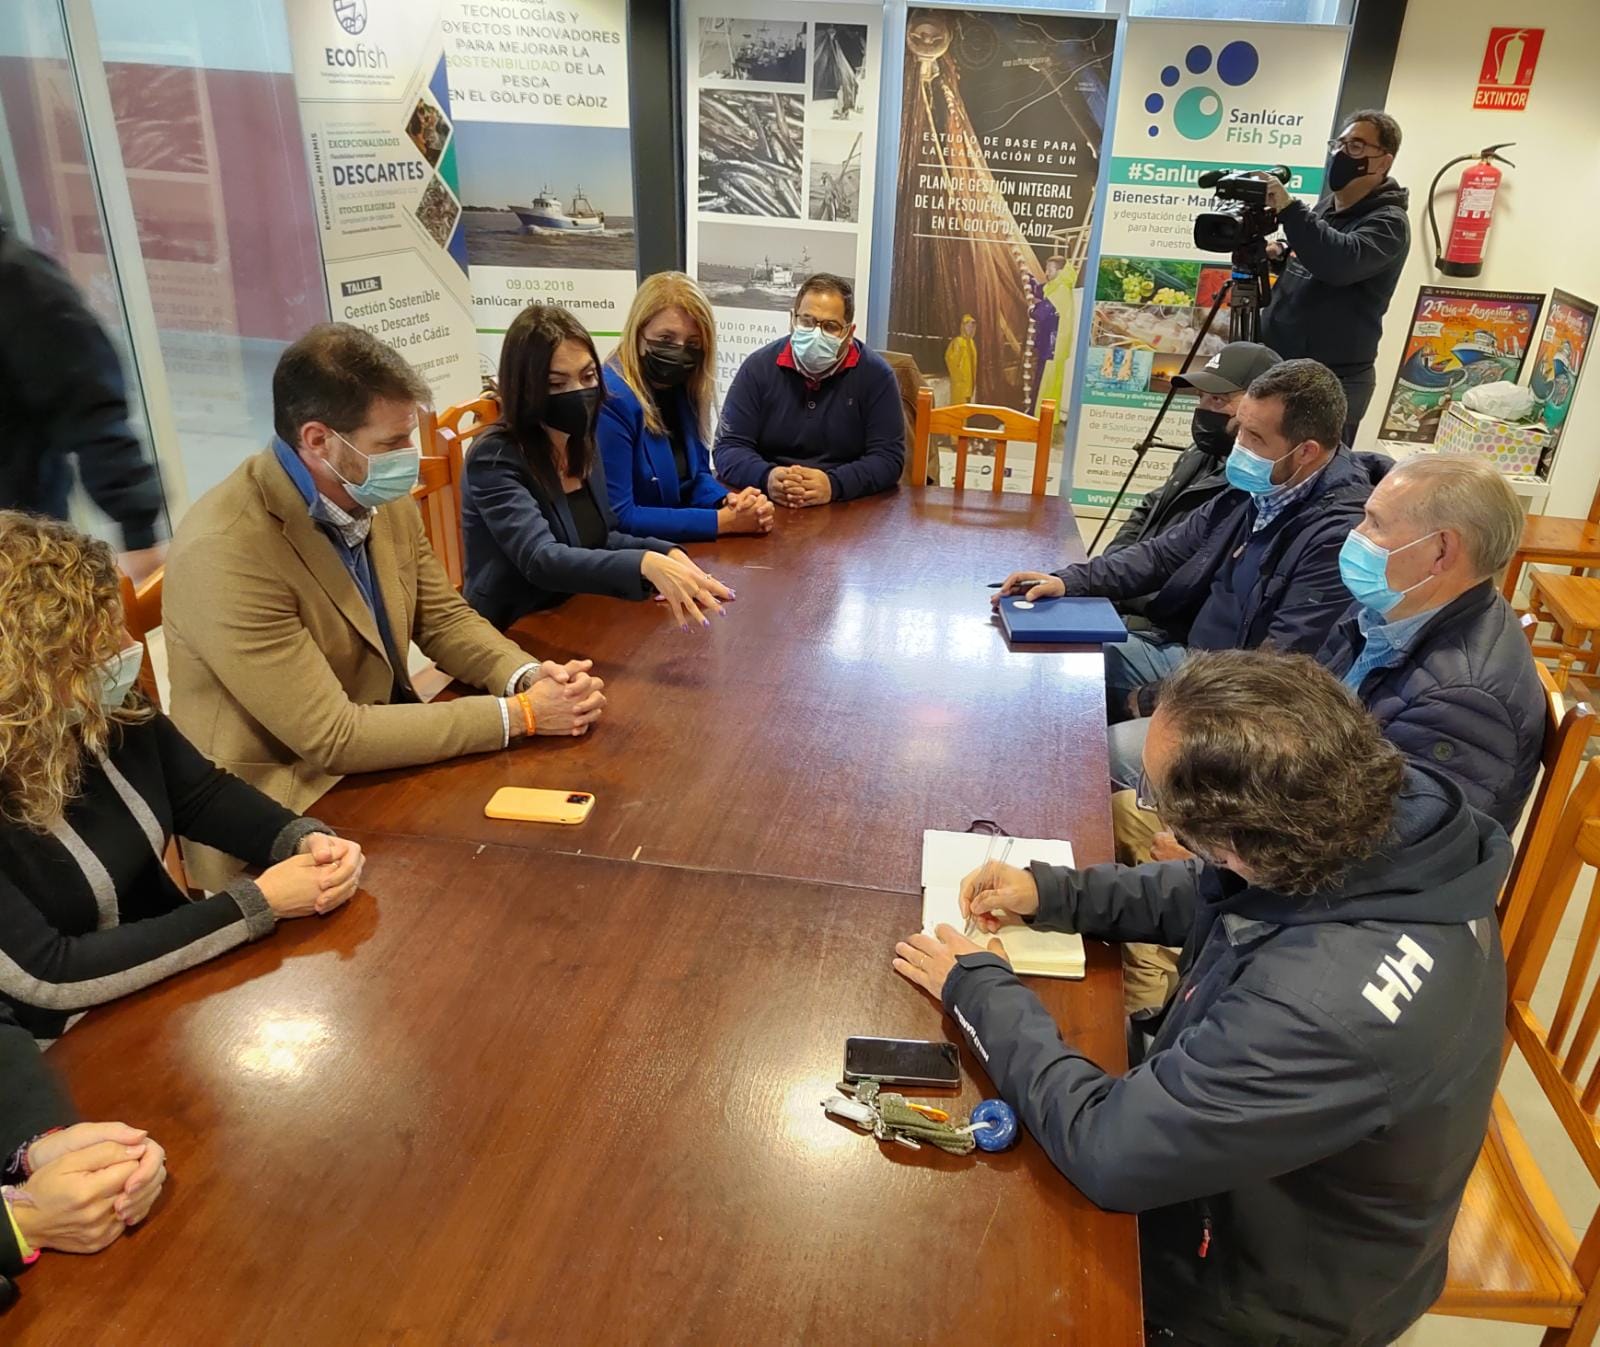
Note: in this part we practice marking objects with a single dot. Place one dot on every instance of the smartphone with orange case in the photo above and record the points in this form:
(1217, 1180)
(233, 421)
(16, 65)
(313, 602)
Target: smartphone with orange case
(539, 806)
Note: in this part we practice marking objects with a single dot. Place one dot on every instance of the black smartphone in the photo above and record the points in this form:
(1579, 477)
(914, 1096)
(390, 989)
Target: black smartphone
(902, 1061)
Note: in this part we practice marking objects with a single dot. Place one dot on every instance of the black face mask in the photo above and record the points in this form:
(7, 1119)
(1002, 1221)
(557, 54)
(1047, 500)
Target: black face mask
(668, 365)
(1344, 169)
(573, 413)
(1211, 433)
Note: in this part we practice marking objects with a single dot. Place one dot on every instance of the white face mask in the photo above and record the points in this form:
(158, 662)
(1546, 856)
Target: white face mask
(118, 675)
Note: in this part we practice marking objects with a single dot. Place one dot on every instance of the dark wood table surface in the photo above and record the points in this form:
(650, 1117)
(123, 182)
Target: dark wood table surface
(858, 692)
(518, 1094)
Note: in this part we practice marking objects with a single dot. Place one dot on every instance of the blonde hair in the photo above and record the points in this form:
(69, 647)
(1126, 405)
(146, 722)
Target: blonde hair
(1455, 491)
(669, 290)
(60, 620)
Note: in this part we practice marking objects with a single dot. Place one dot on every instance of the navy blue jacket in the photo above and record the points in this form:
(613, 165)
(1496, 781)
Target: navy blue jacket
(1467, 702)
(851, 425)
(519, 543)
(1298, 596)
(641, 475)
(1318, 1091)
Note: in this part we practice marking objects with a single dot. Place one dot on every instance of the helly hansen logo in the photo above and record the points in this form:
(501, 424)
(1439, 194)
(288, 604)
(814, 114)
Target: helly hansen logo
(972, 1034)
(1401, 978)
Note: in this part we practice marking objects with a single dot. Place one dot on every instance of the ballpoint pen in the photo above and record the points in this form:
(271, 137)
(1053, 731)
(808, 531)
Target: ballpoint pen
(971, 928)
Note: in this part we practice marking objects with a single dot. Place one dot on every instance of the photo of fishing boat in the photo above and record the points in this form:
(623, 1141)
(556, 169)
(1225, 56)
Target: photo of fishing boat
(546, 212)
(761, 51)
(744, 268)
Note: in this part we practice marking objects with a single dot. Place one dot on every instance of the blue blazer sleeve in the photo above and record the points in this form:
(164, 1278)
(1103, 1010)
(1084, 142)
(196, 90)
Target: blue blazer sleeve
(883, 458)
(738, 462)
(621, 433)
(503, 489)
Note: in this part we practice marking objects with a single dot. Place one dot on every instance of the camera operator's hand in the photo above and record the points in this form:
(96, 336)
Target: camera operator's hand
(1277, 250)
(1278, 197)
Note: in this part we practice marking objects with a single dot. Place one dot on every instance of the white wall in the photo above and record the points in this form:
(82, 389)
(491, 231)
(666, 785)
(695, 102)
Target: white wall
(1546, 229)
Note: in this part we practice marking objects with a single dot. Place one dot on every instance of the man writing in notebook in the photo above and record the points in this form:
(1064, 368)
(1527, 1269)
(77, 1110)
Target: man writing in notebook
(1297, 1140)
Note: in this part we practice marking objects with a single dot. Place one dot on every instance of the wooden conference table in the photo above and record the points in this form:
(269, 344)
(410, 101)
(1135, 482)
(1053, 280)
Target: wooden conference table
(538, 1085)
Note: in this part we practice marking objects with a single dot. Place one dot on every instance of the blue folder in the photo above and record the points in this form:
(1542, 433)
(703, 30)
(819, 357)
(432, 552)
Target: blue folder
(1061, 621)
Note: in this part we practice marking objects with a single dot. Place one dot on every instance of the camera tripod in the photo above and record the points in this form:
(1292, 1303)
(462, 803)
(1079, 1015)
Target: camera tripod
(1245, 292)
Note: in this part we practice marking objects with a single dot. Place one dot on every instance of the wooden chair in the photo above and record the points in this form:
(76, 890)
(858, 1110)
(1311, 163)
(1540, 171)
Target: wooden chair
(1512, 1254)
(1571, 605)
(1566, 734)
(141, 614)
(954, 421)
(1553, 541)
(909, 378)
(445, 437)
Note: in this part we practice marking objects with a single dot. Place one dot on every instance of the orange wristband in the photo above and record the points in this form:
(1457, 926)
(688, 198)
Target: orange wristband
(527, 713)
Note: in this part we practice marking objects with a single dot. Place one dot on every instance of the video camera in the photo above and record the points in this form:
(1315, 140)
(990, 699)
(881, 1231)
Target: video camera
(1251, 219)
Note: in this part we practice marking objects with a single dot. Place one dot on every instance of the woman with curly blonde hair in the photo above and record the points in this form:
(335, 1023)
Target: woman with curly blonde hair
(94, 784)
(656, 417)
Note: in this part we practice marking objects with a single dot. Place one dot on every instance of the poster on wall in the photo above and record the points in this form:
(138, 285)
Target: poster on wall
(540, 96)
(380, 143)
(1563, 345)
(1000, 136)
(1458, 340)
(1193, 97)
(781, 136)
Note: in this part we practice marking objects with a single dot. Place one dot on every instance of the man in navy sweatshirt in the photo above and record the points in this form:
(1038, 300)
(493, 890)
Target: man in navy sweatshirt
(815, 416)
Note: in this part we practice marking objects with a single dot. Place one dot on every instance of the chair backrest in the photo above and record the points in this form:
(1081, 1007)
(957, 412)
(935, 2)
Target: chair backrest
(1556, 1062)
(1566, 734)
(466, 419)
(445, 439)
(141, 614)
(911, 382)
(955, 421)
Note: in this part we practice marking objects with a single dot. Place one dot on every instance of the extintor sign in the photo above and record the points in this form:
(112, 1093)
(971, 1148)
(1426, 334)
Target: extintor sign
(1508, 61)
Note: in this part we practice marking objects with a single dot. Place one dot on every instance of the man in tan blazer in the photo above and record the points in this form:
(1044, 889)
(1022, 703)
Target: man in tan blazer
(296, 586)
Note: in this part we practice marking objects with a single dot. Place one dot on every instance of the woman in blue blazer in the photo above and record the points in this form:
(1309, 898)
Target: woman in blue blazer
(656, 414)
(535, 518)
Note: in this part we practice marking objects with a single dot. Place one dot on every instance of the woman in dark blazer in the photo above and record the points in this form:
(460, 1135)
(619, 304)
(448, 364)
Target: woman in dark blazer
(535, 516)
(655, 416)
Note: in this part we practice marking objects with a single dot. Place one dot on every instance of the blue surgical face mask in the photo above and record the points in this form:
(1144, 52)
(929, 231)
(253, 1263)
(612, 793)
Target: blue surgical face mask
(814, 350)
(118, 675)
(1249, 472)
(389, 476)
(1364, 568)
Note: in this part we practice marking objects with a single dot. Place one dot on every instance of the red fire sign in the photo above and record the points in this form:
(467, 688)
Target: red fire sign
(1508, 62)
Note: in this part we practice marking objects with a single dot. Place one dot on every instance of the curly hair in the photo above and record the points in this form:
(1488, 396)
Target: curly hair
(60, 620)
(1276, 761)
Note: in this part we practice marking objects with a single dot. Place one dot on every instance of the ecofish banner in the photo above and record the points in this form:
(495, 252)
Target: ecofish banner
(1193, 97)
(1001, 121)
(370, 81)
(540, 93)
(781, 131)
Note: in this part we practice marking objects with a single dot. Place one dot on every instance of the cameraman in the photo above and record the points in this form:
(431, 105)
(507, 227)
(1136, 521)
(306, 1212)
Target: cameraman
(1341, 260)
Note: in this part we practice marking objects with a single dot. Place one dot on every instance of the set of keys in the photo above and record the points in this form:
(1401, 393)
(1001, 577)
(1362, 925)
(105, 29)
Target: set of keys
(992, 1126)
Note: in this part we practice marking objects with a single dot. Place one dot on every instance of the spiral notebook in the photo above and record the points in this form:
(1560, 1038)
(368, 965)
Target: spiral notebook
(948, 858)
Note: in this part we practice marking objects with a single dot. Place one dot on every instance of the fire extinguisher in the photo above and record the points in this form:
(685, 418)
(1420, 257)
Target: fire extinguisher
(1469, 227)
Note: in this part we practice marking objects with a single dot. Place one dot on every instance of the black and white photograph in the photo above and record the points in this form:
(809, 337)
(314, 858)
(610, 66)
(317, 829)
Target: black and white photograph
(750, 153)
(839, 73)
(764, 51)
(835, 176)
(745, 268)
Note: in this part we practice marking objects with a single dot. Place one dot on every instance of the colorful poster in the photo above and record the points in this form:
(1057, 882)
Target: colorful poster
(781, 136)
(380, 143)
(1193, 97)
(1459, 339)
(540, 93)
(1568, 331)
(1000, 134)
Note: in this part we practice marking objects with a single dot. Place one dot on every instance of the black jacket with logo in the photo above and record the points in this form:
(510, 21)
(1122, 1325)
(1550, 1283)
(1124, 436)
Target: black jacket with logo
(1299, 1137)
(1335, 287)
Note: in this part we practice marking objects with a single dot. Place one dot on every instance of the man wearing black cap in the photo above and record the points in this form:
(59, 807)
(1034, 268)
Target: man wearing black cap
(1198, 475)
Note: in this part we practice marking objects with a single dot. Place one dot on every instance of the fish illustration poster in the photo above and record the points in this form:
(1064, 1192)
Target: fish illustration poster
(1460, 339)
(540, 97)
(782, 125)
